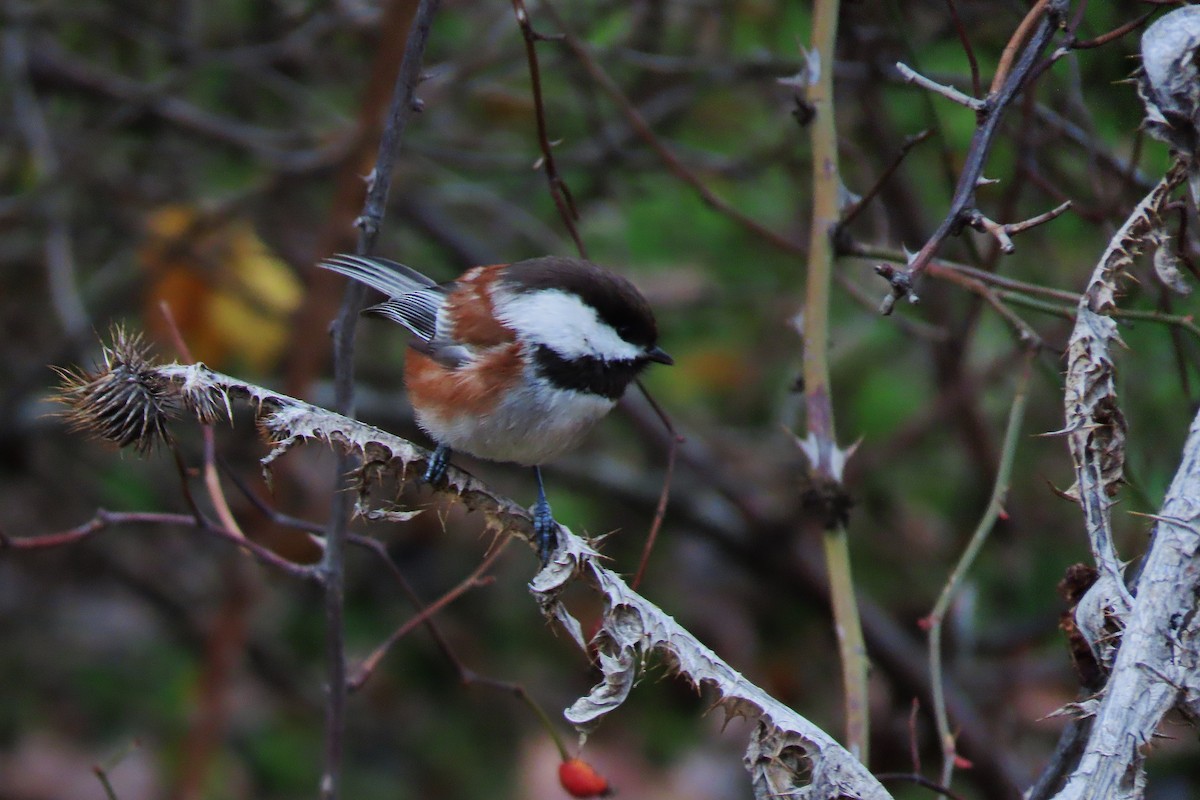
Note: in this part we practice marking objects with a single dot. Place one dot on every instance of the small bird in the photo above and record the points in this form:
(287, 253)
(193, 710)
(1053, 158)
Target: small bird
(514, 362)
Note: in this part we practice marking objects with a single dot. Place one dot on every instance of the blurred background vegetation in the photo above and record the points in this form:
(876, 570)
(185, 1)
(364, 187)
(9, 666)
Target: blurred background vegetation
(207, 154)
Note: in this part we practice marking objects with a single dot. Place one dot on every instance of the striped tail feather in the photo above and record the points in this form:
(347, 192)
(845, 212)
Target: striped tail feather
(390, 277)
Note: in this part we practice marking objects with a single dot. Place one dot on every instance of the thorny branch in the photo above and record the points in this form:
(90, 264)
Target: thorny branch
(1005, 87)
(1095, 426)
(1145, 639)
(130, 397)
(828, 500)
(1155, 668)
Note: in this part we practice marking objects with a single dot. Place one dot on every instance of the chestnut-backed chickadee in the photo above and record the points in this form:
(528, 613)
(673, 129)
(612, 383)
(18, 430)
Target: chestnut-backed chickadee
(514, 362)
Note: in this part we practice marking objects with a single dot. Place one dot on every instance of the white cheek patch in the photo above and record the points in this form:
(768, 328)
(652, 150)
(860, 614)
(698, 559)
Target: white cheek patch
(564, 323)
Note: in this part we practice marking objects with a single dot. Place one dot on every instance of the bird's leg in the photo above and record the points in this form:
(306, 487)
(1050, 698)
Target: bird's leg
(436, 469)
(545, 529)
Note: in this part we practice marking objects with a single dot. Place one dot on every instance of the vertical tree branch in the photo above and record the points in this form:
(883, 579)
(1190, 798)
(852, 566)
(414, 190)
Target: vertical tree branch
(825, 458)
(343, 330)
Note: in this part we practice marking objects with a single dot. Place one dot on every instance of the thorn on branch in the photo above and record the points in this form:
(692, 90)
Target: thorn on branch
(910, 75)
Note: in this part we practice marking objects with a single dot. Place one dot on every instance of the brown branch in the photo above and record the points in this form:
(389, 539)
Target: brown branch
(476, 579)
(851, 213)
(559, 190)
(212, 481)
(660, 510)
(104, 520)
(1020, 35)
(966, 43)
(1115, 33)
(1003, 232)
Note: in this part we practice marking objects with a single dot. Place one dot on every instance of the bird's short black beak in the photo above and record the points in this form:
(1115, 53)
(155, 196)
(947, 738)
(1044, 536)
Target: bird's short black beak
(659, 355)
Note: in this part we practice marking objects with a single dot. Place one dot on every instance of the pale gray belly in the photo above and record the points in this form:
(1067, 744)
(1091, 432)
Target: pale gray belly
(531, 426)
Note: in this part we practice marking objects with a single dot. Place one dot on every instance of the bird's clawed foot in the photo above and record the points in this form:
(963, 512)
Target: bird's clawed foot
(436, 469)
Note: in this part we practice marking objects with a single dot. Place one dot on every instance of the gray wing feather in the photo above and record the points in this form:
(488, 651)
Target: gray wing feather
(414, 300)
(417, 311)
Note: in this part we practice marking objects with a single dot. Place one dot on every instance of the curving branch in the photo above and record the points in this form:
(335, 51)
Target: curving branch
(1095, 426)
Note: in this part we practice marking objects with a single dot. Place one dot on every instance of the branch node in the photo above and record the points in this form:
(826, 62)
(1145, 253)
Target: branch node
(979, 222)
(902, 286)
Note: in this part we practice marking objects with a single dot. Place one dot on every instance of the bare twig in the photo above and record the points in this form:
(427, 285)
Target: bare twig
(668, 158)
(1115, 33)
(559, 190)
(961, 30)
(1014, 228)
(1020, 35)
(1003, 233)
(476, 579)
(660, 511)
(995, 508)
(101, 770)
(851, 213)
(212, 480)
(103, 520)
(343, 331)
(910, 75)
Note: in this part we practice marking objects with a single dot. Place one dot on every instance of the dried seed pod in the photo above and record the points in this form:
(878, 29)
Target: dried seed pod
(124, 400)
